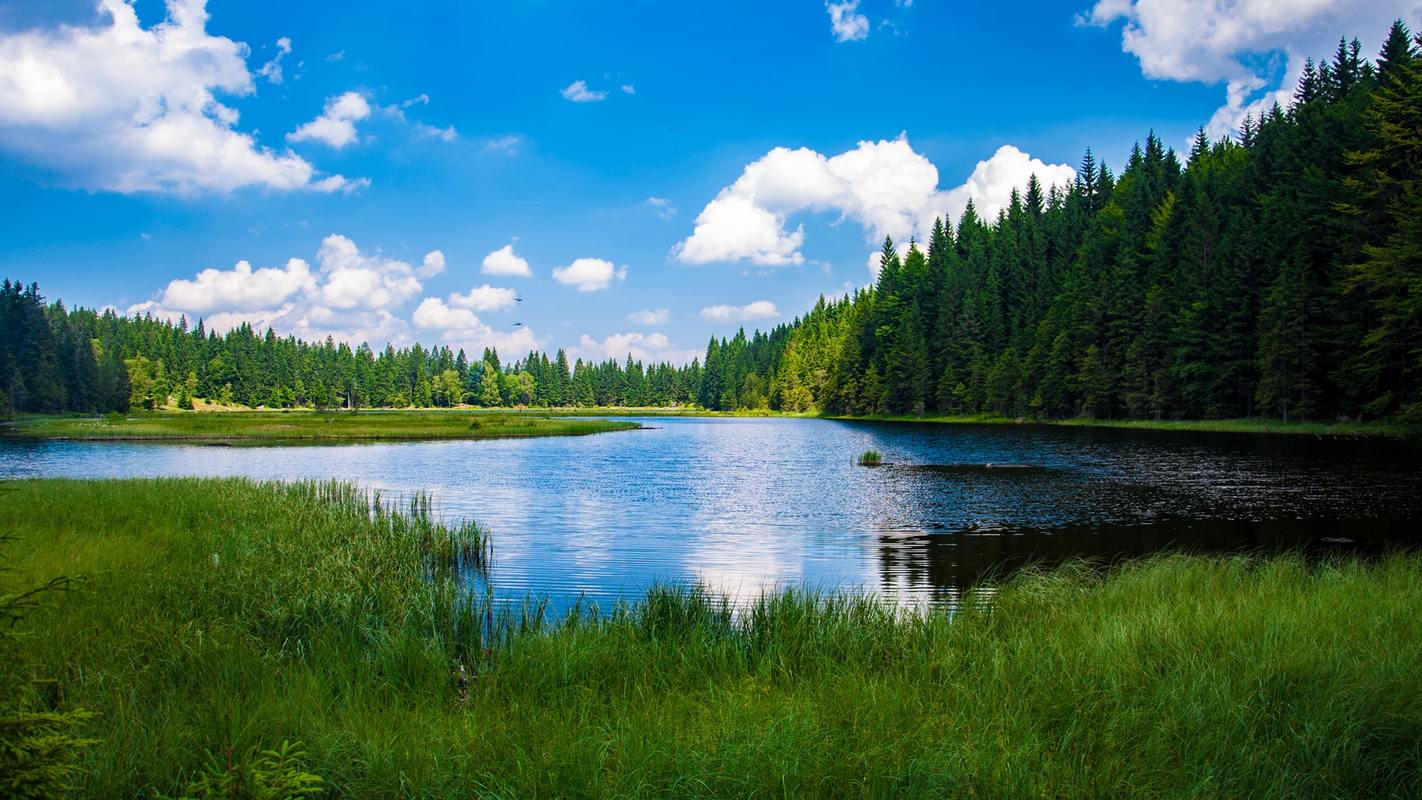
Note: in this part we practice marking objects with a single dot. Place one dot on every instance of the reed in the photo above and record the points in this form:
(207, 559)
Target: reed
(230, 616)
(871, 458)
(308, 426)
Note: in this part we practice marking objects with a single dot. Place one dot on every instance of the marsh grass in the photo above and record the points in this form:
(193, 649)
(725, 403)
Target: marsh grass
(871, 458)
(307, 426)
(226, 614)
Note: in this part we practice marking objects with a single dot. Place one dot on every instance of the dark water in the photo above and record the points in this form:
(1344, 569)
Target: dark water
(743, 505)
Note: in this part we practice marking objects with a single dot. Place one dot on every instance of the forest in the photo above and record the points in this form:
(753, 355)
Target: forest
(1276, 273)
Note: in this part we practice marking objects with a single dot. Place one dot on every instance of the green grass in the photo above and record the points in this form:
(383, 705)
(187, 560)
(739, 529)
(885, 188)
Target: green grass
(222, 612)
(871, 458)
(269, 426)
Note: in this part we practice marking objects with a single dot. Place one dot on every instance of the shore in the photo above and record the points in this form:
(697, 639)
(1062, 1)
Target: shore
(222, 616)
(308, 426)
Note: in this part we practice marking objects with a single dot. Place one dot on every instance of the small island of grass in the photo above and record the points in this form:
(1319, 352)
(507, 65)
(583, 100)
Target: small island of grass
(237, 427)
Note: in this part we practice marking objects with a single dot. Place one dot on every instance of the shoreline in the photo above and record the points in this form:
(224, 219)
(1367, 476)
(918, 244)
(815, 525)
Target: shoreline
(564, 422)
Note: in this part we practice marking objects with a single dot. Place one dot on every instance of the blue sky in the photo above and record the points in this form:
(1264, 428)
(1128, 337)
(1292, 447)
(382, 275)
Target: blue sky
(715, 166)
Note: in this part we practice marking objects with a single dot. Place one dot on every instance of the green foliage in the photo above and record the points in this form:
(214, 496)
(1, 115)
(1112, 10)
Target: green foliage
(871, 458)
(39, 739)
(257, 775)
(313, 425)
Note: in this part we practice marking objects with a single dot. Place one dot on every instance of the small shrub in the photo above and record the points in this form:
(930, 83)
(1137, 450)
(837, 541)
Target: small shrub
(278, 774)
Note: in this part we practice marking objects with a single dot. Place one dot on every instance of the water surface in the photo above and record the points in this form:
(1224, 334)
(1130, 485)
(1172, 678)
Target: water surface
(744, 505)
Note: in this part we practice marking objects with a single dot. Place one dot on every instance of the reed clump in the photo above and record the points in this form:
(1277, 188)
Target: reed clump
(221, 616)
(871, 458)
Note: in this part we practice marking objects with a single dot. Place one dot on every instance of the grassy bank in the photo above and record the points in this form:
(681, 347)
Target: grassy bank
(276, 426)
(219, 613)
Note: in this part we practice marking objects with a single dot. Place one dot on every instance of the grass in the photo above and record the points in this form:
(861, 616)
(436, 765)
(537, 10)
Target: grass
(223, 613)
(871, 458)
(291, 426)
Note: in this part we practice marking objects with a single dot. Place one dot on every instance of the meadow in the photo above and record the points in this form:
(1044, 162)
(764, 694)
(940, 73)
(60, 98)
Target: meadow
(308, 426)
(208, 617)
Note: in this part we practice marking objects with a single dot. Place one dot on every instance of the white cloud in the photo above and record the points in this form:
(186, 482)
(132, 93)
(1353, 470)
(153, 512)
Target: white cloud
(462, 328)
(505, 262)
(885, 186)
(578, 92)
(238, 289)
(433, 313)
(663, 206)
(846, 22)
(1232, 41)
(645, 347)
(991, 184)
(650, 316)
(760, 309)
(119, 107)
(485, 298)
(351, 279)
(431, 265)
(589, 274)
(272, 69)
(352, 296)
(628, 88)
(336, 125)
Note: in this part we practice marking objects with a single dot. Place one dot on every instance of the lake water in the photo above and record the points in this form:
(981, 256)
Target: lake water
(743, 505)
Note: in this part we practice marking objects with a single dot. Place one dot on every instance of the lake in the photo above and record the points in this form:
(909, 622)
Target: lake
(744, 505)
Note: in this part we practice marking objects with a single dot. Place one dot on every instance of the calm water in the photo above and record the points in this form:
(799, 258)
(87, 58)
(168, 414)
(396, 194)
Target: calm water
(747, 504)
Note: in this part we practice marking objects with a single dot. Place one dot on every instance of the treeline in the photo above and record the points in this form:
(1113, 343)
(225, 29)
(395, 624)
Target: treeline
(1277, 273)
(53, 359)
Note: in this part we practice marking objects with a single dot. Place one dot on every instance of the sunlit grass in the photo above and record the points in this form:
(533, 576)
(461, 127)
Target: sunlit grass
(239, 426)
(871, 458)
(218, 612)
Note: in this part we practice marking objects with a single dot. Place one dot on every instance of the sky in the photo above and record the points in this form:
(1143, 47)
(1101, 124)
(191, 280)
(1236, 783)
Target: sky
(608, 178)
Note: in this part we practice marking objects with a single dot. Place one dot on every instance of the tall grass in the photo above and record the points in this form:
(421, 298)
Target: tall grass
(299, 426)
(226, 613)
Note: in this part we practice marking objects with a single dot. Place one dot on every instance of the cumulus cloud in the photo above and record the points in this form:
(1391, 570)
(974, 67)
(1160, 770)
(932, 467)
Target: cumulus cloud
(433, 313)
(645, 347)
(124, 108)
(760, 309)
(352, 295)
(238, 289)
(431, 265)
(485, 298)
(589, 274)
(1234, 41)
(272, 69)
(462, 328)
(351, 279)
(847, 24)
(336, 125)
(885, 186)
(650, 316)
(505, 261)
(578, 92)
